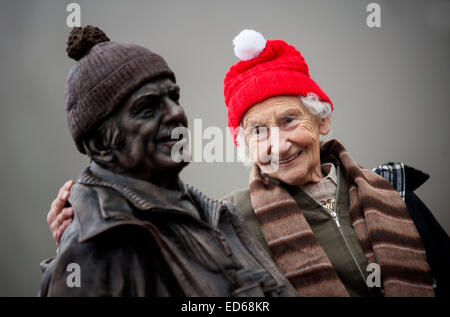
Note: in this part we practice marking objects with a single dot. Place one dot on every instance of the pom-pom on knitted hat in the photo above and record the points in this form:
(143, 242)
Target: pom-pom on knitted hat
(105, 74)
(266, 69)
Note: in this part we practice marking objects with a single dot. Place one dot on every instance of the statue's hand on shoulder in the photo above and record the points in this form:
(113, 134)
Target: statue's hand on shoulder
(60, 215)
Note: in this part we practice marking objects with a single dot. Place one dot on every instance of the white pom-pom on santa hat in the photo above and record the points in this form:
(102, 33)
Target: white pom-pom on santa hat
(248, 44)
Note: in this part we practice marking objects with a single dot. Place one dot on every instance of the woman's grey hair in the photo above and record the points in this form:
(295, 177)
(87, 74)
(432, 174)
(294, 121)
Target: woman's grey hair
(313, 104)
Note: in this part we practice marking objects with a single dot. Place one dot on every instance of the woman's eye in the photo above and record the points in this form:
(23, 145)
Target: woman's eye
(290, 121)
(261, 132)
(257, 130)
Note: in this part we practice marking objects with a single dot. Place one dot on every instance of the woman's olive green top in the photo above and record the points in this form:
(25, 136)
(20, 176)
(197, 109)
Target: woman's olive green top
(339, 242)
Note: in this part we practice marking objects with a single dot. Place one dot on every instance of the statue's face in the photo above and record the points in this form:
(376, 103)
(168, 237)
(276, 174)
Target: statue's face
(145, 122)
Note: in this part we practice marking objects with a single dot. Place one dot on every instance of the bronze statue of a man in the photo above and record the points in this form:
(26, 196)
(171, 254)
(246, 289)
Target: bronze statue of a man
(138, 230)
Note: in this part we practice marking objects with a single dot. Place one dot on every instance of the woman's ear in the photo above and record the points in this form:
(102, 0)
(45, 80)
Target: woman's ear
(324, 127)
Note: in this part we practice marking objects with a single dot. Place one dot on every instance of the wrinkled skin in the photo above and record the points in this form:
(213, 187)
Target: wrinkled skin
(294, 156)
(144, 123)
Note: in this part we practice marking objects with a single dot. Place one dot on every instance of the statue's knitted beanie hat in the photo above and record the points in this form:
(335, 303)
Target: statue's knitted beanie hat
(105, 74)
(266, 69)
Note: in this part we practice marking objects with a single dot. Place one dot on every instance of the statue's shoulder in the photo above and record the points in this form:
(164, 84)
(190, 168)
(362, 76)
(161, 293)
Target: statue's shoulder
(98, 209)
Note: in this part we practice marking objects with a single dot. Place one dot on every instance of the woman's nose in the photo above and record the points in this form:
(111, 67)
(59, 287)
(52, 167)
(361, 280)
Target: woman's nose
(279, 142)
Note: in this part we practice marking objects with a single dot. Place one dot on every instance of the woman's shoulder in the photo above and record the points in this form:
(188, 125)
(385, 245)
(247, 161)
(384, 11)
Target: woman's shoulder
(241, 199)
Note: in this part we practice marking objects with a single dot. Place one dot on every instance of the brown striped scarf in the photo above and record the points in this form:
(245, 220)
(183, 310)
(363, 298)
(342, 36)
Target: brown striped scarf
(379, 216)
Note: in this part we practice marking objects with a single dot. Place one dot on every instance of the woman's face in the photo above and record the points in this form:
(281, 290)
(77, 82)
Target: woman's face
(283, 138)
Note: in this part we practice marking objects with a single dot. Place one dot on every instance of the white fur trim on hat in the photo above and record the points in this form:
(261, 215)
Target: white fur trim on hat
(248, 44)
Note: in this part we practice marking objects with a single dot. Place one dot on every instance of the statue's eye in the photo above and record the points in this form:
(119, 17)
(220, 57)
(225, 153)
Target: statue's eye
(145, 107)
(174, 96)
(148, 112)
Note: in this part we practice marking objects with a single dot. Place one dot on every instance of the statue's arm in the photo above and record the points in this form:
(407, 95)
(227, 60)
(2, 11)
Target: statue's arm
(120, 262)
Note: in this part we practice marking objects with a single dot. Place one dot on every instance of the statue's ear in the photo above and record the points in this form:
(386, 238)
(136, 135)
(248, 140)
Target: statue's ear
(102, 145)
(96, 151)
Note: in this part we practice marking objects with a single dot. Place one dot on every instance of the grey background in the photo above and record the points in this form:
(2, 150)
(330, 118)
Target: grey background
(389, 85)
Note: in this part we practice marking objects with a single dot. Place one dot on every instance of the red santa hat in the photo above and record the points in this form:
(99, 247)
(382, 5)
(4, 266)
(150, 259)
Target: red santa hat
(266, 69)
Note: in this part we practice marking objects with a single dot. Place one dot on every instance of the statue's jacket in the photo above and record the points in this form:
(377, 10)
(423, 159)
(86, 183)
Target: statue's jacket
(126, 240)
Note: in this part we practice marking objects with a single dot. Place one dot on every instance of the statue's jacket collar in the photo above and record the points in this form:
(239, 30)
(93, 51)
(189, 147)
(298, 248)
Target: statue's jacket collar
(144, 196)
(219, 241)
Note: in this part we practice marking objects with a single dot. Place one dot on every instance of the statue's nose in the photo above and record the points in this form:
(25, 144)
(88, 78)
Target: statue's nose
(174, 113)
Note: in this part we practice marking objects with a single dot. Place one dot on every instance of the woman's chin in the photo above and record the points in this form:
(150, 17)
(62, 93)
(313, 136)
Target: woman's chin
(291, 177)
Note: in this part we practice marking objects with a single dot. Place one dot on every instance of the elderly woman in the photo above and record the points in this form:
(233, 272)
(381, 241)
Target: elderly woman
(327, 221)
(333, 227)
